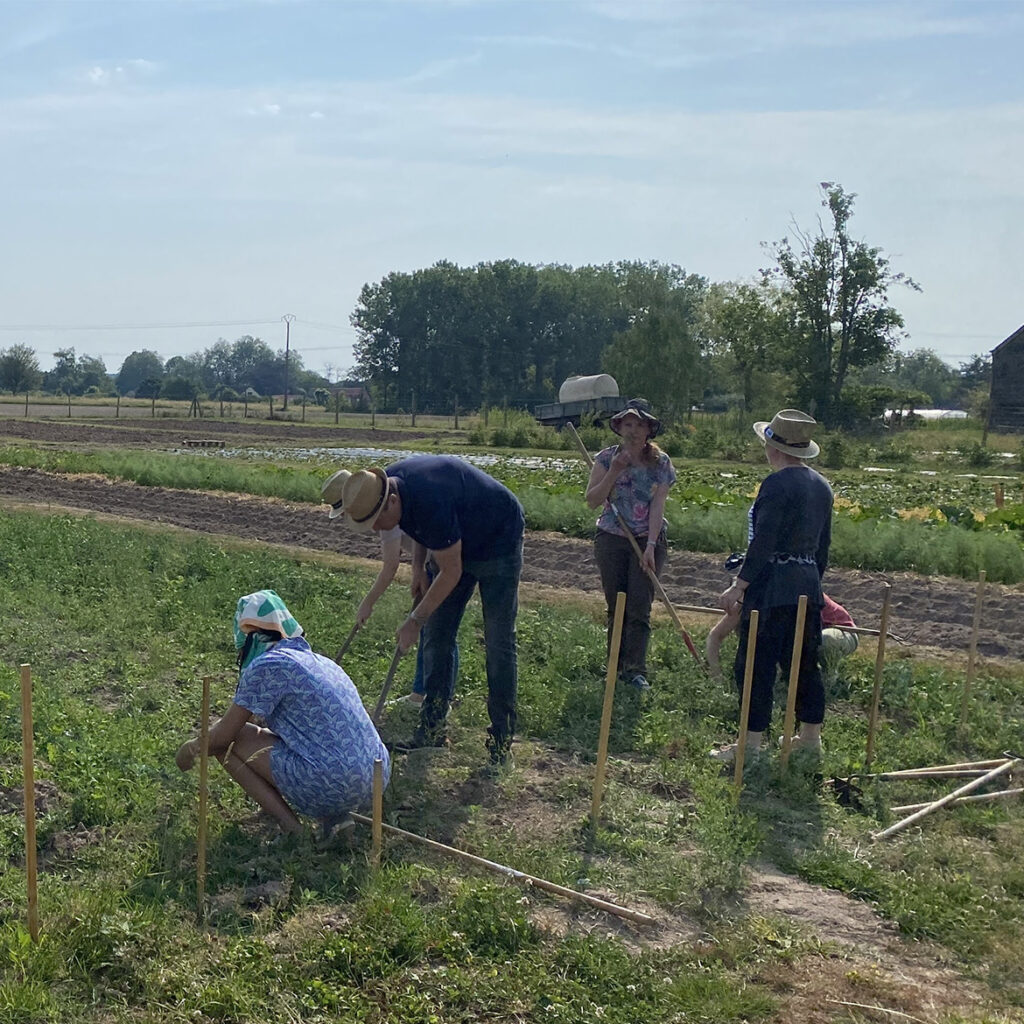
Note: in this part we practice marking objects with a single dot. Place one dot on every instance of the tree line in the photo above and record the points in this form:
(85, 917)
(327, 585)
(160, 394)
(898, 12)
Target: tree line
(815, 329)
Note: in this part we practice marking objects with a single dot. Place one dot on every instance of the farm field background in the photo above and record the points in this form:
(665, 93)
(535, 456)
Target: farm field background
(775, 909)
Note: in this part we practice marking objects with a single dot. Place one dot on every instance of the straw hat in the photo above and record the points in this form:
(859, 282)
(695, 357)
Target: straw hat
(332, 490)
(363, 498)
(640, 408)
(789, 432)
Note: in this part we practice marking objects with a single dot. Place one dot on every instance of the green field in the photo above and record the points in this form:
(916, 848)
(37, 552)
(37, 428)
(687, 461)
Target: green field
(119, 625)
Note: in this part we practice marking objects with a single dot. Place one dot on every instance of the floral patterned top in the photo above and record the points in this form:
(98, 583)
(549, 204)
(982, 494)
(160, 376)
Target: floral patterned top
(324, 762)
(632, 493)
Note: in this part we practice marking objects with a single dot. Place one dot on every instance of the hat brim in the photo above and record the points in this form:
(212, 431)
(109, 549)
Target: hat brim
(335, 513)
(368, 524)
(653, 423)
(810, 452)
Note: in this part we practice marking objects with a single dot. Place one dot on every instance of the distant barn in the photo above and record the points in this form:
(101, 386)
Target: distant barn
(1007, 395)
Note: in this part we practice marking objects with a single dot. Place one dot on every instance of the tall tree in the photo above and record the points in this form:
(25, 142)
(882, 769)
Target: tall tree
(840, 291)
(19, 369)
(139, 366)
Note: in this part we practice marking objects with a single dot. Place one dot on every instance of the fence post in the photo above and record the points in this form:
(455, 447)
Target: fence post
(117, 409)
(26, 403)
(337, 405)
(69, 405)
(152, 406)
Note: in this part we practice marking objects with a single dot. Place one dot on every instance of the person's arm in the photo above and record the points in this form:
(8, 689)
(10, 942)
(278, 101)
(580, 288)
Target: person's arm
(420, 582)
(220, 737)
(449, 572)
(656, 517)
(391, 555)
(824, 543)
(602, 479)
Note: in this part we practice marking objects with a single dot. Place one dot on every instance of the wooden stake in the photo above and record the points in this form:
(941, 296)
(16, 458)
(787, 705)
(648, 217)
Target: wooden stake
(386, 689)
(948, 799)
(378, 810)
(876, 693)
(28, 764)
(973, 649)
(606, 711)
(991, 763)
(979, 798)
(517, 876)
(344, 647)
(748, 683)
(794, 679)
(204, 767)
(659, 589)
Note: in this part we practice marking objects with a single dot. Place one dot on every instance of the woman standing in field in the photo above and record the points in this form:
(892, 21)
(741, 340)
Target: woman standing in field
(790, 533)
(631, 480)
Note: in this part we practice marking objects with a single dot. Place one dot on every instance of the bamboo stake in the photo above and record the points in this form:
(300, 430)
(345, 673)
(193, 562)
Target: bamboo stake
(378, 805)
(973, 649)
(876, 693)
(606, 711)
(991, 763)
(386, 689)
(794, 679)
(345, 644)
(28, 763)
(517, 876)
(204, 768)
(748, 684)
(956, 773)
(947, 799)
(659, 589)
(978, 798)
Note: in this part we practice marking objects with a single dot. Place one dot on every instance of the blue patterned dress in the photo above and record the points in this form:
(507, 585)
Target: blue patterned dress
(323, 765)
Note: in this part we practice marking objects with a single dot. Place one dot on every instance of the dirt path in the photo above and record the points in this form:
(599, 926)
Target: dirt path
(932, 611)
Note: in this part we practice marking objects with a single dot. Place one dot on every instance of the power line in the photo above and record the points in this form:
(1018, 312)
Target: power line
(138, 327)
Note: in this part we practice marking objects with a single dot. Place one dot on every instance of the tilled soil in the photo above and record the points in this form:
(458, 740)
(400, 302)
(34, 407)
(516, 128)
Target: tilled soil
(931, 611)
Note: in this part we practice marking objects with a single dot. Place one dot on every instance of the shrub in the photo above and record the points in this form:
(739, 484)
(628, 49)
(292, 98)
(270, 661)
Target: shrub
(977, 455)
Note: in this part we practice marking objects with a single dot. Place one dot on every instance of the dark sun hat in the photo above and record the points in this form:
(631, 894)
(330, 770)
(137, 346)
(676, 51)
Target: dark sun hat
(640, 408)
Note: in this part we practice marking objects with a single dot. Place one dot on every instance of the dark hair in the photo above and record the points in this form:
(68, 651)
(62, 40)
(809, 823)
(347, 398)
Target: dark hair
(265, 634)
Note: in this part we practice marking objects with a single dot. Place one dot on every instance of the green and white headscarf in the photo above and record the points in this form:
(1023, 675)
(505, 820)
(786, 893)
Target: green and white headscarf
(263, 610)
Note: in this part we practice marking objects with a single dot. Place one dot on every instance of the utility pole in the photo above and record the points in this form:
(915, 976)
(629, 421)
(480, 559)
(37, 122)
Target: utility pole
(287, 318)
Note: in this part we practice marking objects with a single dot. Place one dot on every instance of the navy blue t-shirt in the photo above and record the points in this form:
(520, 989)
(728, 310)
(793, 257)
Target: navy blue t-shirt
(445, 499)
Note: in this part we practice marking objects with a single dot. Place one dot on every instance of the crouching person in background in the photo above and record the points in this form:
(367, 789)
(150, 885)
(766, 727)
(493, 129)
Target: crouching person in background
(316, 756)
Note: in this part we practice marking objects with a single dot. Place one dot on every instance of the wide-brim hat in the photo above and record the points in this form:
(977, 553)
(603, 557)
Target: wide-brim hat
(332, 493)
(363, 498)
(640, 408)
(263, 610)
(789, 431)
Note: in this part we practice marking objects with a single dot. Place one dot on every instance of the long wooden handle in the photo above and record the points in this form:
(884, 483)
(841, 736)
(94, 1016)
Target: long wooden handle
(386, 689)
(748, 685)
(28, 765)
(204, 762)
(876, 694)
(518, 876)
(344, 647)
(606, 711)
(794, 679)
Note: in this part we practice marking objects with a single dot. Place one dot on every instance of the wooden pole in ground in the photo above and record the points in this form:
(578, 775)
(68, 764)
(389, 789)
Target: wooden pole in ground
(378, 810)
(794, 678)
(204, 769)
(876, 693)
(973, 649)
(979, 798)
(659, 589)
(517, 876)
(949, 798)
(748, 682)
(28, 764)
(606, 711)
(386, 688)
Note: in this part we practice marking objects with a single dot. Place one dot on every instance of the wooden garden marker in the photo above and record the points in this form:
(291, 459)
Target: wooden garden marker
(517, 876)
(1000, 499)
(658, 588)
(28, 763)
(748, 682)
(204, 764)
(378, 809)
(979, 798)
(973, 649)
(344, 647)
(876, 694)
(948, 798)
(386, 688)
(606, 712)
(794, 677)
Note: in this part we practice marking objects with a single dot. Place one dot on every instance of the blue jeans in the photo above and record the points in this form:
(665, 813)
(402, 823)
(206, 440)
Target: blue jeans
(498, 579)
(419, 684)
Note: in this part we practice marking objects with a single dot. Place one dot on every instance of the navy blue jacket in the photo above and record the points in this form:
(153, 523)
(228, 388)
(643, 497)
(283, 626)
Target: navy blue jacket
(792, 529)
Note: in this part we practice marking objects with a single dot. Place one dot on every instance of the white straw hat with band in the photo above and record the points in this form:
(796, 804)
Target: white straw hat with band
(363, 498)
(332, 493)
(789, 431)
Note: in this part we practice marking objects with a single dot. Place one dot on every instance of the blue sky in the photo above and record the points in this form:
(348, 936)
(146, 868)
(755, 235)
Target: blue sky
(223, 162)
